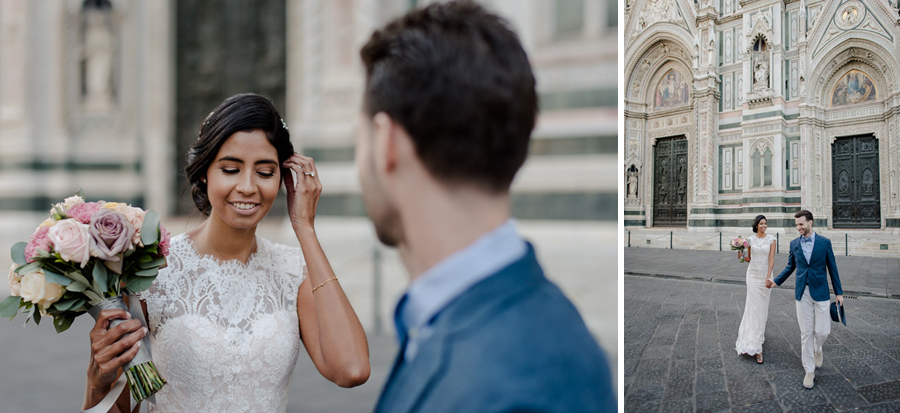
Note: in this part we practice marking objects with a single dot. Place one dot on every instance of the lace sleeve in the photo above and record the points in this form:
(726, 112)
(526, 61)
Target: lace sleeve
(290, 260)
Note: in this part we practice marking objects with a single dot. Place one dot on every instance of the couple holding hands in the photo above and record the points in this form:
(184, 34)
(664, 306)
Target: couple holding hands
(811, 255)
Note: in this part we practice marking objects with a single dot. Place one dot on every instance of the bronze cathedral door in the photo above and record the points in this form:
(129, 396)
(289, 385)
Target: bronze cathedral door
(670, 182)
(855, 190)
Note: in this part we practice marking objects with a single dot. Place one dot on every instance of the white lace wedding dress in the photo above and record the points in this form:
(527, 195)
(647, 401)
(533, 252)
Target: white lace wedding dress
(225, 334)
(752, 333)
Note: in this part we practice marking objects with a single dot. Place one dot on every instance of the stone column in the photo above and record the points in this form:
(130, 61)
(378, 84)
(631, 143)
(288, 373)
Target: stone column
(702, 151)
(157, 122)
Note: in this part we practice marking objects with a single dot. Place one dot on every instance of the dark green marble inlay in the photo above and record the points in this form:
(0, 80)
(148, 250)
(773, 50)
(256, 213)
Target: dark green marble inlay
(72, 166)
(892, 222)
(591, 98)
(43, 203)
(707, 223)
(635, 223)
(634, 212)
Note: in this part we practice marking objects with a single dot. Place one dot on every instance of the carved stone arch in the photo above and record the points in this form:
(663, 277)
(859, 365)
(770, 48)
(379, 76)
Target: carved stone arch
(859, 54)
(650, 16)
(656, 54)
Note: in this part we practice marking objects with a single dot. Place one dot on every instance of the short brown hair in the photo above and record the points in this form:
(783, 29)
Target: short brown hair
(804, 213)
(458, 80)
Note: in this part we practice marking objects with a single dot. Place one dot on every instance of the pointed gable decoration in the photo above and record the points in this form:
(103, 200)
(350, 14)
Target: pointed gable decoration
(659, 11)
(852, 15)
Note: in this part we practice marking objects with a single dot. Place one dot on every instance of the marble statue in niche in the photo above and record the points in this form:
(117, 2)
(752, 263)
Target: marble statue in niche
(98, 56)
(632, 181)
(760, 61)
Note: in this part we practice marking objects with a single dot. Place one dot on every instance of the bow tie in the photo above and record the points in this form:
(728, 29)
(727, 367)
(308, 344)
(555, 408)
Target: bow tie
(805, 239)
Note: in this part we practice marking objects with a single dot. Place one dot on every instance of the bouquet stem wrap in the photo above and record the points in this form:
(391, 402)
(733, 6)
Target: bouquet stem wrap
(143, 378)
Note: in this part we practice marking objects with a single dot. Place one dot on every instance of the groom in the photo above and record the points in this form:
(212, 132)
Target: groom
(811, 255)
(448, 111)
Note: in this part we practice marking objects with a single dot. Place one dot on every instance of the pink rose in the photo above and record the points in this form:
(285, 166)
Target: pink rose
(72, 240)
(110, 234)
(83, 212)
(164, 238)
(39, 241)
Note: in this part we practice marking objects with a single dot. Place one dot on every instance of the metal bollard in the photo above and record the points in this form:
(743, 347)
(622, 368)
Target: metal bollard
(777, 242)
(376, 288)
(670, 239)
(846, 244)
(720, 241)
(629, 239)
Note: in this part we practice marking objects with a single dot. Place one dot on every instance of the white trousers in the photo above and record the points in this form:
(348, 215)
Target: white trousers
(815, 324)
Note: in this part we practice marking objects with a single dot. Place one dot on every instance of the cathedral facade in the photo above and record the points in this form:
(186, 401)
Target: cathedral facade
(735, 108)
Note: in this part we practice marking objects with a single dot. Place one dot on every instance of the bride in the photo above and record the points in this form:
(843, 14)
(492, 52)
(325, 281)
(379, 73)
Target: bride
(228, 314)
(751, 335)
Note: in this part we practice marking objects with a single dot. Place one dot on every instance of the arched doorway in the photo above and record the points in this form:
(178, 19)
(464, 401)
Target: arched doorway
(856, 198)
(670, 160)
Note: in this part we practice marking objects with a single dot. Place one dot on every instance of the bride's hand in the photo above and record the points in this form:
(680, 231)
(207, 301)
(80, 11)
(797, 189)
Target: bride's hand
(110, 351)
(304, 196)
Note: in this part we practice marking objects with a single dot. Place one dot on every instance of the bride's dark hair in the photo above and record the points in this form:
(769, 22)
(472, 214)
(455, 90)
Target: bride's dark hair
(240, 113)
(756, 222)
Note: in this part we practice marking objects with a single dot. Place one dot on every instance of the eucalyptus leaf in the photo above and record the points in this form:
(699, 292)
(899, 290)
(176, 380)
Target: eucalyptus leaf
(28, 268)
(76, 287)
(129, 251)
(154, 263)
(139, 284)
(150, 228)
(65, 305)
(18, 253)
(144, 258)
(100, 277)
(37, 317)
(79, 277)
(152, 272)
(80, 193)
(93, 297)
(9, 307)
(62, 324)
(55, 278)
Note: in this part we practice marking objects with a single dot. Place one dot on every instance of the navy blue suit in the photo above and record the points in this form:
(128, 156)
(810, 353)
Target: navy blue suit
(512, 342)
(812, 273)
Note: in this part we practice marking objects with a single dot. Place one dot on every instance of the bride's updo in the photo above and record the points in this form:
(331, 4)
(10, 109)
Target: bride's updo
(756, 222)
(240, 113)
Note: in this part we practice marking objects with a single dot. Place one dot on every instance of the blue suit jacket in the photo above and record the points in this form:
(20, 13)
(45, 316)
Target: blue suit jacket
(513, 342)
(812, 273)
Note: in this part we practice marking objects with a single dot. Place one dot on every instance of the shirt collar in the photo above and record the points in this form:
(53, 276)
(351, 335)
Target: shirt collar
(448, 279)
(810, 238)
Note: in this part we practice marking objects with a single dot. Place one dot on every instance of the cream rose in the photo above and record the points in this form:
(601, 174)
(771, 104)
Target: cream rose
(36, 289)
(49, 222)
(134, 216)
(14, 280)
(72, 240)
(72, 201)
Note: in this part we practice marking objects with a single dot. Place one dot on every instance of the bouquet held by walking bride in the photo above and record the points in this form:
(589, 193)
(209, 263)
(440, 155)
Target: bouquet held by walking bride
(85, 258)
(739, 244)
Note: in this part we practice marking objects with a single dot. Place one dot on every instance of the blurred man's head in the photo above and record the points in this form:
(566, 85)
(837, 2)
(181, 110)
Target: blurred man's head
(803, 220)
(452, 83)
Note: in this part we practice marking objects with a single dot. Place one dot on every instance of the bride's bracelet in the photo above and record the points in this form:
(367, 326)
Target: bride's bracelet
(325, 282)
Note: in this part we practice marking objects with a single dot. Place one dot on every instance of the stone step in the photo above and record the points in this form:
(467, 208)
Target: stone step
(863, 244)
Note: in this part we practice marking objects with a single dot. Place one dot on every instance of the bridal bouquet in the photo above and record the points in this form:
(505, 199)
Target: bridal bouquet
(85, 258)
(738, 244)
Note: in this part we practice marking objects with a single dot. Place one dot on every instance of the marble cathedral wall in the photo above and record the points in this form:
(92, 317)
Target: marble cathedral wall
(783, 105)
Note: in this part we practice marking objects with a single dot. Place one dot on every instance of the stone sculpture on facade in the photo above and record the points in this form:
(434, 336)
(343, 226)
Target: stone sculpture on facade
(99, 59)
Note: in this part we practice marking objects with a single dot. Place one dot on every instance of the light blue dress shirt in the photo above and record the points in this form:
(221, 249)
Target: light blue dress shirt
(806, 244)
(437, 287)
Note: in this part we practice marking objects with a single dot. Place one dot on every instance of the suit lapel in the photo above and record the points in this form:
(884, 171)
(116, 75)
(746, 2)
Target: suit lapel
(412, 379)
(800, 250)
(409, 381)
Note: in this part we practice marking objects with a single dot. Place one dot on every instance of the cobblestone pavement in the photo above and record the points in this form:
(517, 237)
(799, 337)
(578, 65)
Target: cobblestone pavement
(863, 276)
(679, 353)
